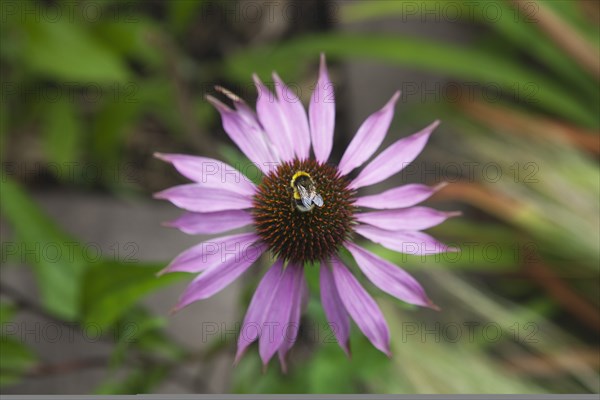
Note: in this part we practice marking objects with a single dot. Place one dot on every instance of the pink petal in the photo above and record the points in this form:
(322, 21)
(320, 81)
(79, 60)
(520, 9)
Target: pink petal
(278, 313)
(389, 277)
(361, 307)
(247, 136)
(195, 197)
(321, 113)
(335, 311)
(274, 121)
(244, 111)
(368, 138)
(294, 115)
(260, 303)
(399, 197)
(405, 219)
(214, 252)
(210, 173)
(213, 222)
(394, 158)
(407, 242)
(216, 278)
(249, 117)
(290, 333)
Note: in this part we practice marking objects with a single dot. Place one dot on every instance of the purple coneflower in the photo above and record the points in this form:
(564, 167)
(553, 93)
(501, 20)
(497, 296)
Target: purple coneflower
(304, 211)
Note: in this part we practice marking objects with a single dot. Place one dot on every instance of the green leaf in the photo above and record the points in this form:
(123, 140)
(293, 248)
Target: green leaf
(62, 132)
(111, 289)
(131, 39)
(330, 371)
(110, 128)
(7, 311)
(141, 380)
(64, 50)
(57, 259)
(181, 13)
(4, 123)
(15, 359)
(459, 62)
(138, 329)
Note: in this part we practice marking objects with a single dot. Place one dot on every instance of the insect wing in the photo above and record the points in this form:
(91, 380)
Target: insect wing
(304, 196)
(318, 200)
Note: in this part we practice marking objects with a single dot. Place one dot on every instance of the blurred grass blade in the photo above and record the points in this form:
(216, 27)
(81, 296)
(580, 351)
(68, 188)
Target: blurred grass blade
(574, 44)
(550, 340)
(443, 374)
(462, 63)
(517, 26)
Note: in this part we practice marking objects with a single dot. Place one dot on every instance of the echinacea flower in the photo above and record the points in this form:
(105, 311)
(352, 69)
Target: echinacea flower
(304, 211)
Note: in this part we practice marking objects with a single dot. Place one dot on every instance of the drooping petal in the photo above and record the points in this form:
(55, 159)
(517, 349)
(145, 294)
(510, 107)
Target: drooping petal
(248, 137)
(243, 109)
(361, 307)
(394, 158)
(278, 314)
(389, 277)
(368, 138)
(321, 113)
(290, 333)
(211, 222)
(213, 252)
(399, 197)
(216, 278)
(405, 219)
(273, 120)
(294, 117)
(194, 197)
(253, 125)
(335, 311)
(208, 172)
(255, 315)
(407, 242)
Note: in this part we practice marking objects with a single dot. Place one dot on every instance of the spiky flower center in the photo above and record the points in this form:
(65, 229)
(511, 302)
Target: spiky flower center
(304, 210)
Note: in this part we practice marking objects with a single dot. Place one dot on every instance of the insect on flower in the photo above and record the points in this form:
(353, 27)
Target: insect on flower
(305, 195)
(304, 211)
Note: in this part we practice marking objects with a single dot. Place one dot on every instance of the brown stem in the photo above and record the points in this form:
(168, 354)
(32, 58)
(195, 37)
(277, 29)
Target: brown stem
(546, 366)
(563, 35)
(520, 123)
(543, 275)
(67, 366)
(480, 197)
(564, 295)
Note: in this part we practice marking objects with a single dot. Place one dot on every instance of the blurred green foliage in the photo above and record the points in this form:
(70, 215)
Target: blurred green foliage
(113, 90)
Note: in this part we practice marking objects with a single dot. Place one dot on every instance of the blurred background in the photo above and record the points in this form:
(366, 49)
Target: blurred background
(90, 89)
